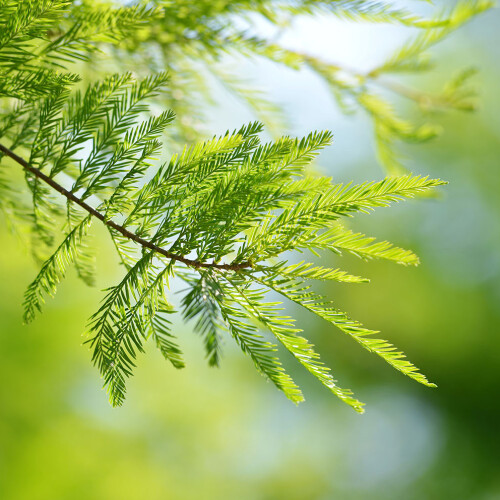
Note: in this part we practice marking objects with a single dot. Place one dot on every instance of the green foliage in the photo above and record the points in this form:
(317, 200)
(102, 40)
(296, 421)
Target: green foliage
(221, 216)
(36, 41)
(200, 39)
(54, 269)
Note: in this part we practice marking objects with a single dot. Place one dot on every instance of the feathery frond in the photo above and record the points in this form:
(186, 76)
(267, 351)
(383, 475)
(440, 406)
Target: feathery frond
(224, 214)
(301, 293)
(54, 270)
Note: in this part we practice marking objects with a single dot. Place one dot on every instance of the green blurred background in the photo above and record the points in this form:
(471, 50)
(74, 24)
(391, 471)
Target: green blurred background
(225, 433)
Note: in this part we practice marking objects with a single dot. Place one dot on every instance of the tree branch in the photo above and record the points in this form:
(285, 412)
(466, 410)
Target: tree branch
(125, 232)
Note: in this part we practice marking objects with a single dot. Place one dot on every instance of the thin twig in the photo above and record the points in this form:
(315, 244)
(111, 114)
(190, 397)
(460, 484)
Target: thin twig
(421, 98)
(125, 232)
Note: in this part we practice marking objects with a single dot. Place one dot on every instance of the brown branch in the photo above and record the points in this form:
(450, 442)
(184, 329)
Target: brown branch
(125, 232)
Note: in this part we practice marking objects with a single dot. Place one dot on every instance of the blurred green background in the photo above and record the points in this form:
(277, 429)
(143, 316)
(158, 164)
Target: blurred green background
(215, 434)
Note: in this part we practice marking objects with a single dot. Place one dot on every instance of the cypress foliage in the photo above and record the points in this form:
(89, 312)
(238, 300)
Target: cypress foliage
(224, 213)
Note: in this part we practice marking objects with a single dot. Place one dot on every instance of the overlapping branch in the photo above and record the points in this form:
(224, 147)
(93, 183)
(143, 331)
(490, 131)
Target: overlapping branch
(113, 225)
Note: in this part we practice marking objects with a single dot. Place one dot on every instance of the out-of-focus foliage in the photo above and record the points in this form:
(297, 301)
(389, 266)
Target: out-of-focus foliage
(202, 42)
(196, 39)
